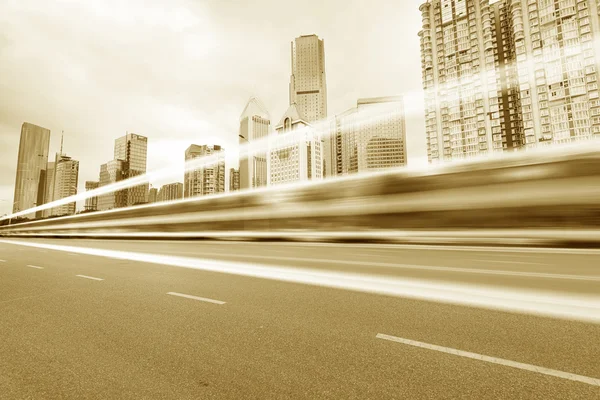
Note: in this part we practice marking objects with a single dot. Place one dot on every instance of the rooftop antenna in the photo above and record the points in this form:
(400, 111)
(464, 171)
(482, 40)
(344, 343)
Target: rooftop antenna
(62, 138)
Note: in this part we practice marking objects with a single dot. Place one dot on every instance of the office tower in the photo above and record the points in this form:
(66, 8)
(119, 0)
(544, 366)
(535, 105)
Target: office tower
(294, 157)
(112, 172)
(469, 79)
(370, 136)
(133, 150)
(66, 177)
(170, 192)
(234, 179)
(49, 190)
(91, 203)
(209, 178)
(30, 183)
(308, 88)
(255, 124)
(153, 195)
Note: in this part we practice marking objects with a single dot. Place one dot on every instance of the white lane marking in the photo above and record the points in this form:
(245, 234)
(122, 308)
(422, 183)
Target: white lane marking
(510, 262)
(577, 307)
(35, 266)
(187, 296)
(411, 266)
(90, 277)
(2, 260)
(494, 360)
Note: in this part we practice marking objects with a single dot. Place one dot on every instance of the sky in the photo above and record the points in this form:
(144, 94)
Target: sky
(181, 71)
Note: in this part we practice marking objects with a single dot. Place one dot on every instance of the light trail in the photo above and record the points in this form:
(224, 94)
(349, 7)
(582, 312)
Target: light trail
(324, 129)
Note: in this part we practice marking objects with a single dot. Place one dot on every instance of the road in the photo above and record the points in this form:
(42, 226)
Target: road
(93, 319)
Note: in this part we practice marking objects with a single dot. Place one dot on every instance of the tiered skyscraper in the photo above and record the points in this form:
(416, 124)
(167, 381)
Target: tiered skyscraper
(206, 180)
(508, 74)
(30, 183)
(255, 124)
(308, 87)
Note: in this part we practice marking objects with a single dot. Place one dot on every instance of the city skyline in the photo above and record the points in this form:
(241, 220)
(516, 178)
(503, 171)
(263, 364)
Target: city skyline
(172, 117)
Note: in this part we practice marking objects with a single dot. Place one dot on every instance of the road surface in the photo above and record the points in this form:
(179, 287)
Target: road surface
(92, 319)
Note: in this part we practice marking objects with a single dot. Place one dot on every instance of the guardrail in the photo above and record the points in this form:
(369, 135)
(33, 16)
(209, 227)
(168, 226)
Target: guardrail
(557, 190)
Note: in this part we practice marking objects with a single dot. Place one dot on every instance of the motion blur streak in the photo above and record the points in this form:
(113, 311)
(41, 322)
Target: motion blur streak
(579, 308)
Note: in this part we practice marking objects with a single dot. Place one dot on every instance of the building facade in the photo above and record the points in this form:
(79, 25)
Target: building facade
(308, 84)
(207, 179)
(133, 150)
(91, 203)
(66, 178)
(49, 190)
(32, 164)
(359, 136)
(153, 195)
(255, 124)
(508, 74)
(112, 172)
(170, 192)
(234, 179)
(295, 153)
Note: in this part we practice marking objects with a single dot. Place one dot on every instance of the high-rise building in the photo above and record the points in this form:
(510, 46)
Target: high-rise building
(234, 179)
(297, 157)
(112, 172)
(30, 183)
(208, 179)
(468, 79)
(508, 74)
(49, 190)
(153, 195)
(557, 48)
(66, 177)
(359, 136)
(255, 124)
(133, 150)
(170, 192)
(308, 88)
(91, 203)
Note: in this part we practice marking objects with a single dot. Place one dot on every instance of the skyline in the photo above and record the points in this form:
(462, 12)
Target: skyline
(183, 118)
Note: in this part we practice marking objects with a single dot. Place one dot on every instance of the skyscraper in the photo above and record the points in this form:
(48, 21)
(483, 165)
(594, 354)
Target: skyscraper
(370, 136)
(206, 180)
(234, 179)
(49, 190)
(91, 203)
(170, 192)
(152, 195)
(468, 79)
(308, 88)
(508, 74)
(254, 124)
(297, 157)
(133, 150)
(66, 177)
(30, 183)
(112, 172)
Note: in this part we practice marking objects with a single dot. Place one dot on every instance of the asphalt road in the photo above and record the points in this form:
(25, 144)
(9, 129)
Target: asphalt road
(129, 322)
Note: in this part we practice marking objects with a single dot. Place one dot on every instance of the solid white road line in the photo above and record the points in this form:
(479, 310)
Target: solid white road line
(187, 296)
(494, 360)
(89, 277)
(35, 266)
(2, 260)
(571, 306)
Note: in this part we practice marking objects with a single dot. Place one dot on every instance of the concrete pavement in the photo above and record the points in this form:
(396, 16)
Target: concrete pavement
(68, 334)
